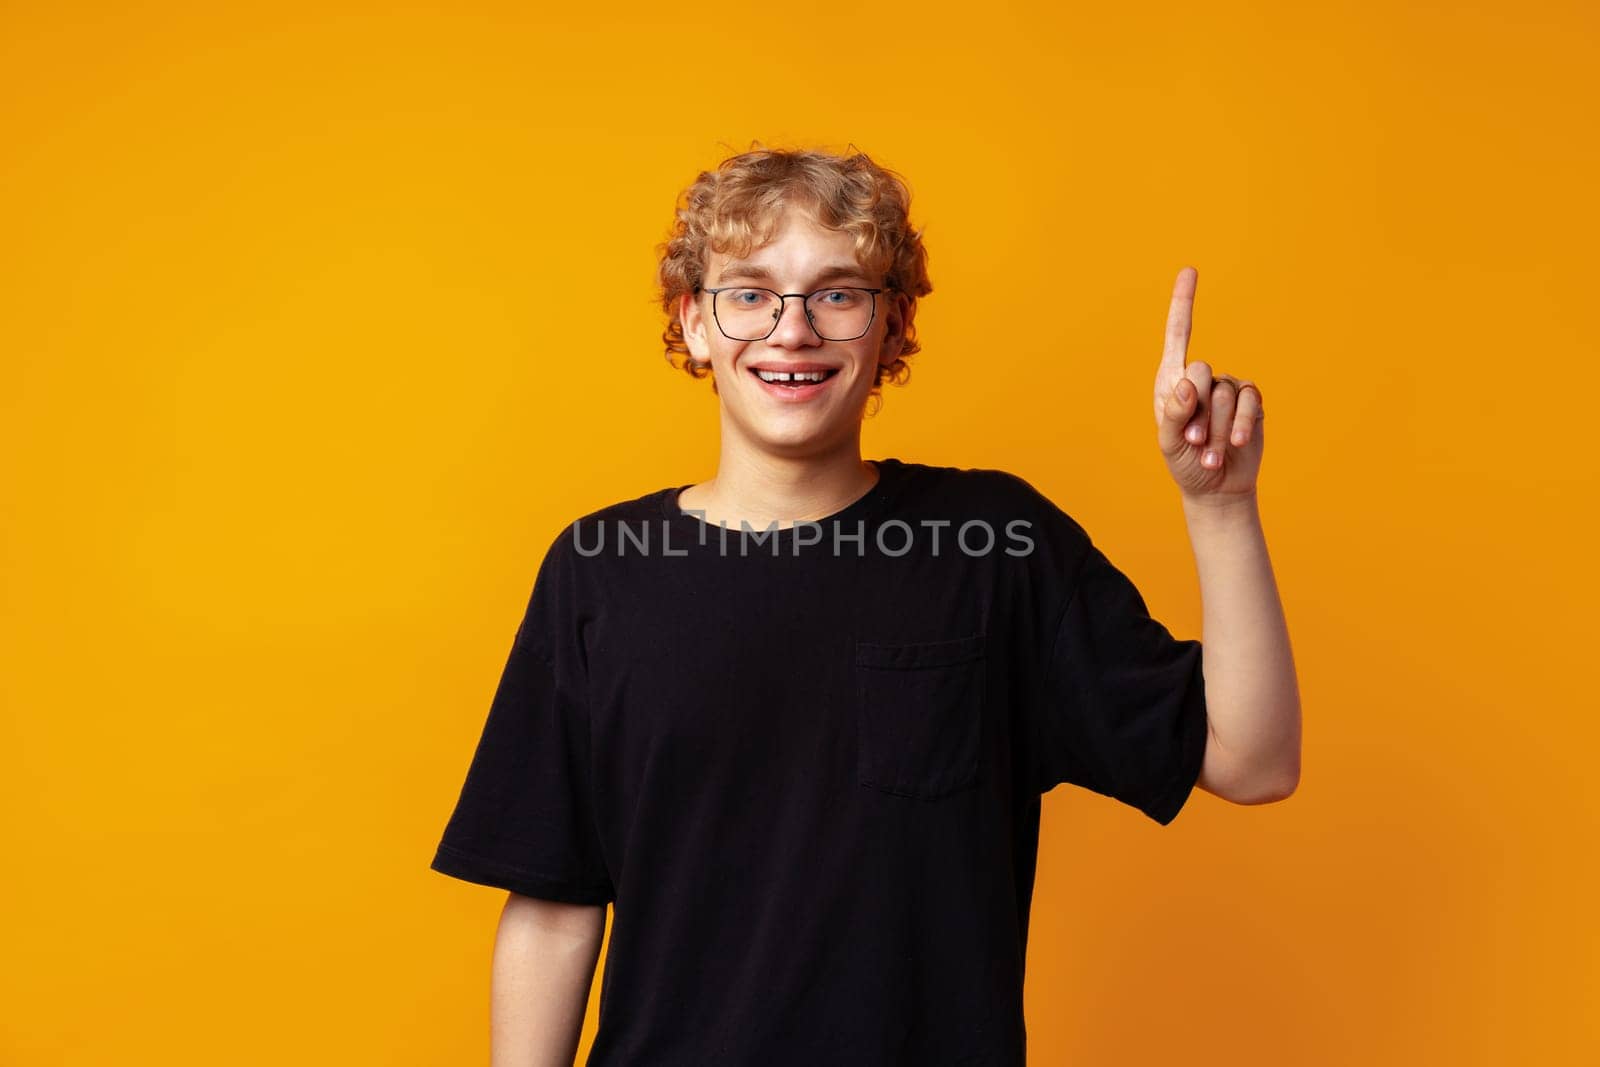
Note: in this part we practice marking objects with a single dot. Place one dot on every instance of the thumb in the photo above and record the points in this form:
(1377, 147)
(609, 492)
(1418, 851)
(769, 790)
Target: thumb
(1177, 407)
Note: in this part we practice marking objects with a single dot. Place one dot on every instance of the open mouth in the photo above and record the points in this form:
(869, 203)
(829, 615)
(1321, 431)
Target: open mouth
(795, 380)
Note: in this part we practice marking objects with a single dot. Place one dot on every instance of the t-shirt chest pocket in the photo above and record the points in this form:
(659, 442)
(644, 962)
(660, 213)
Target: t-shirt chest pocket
(919, 715)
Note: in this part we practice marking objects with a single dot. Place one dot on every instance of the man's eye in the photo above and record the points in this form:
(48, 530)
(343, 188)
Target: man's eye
(749, 297)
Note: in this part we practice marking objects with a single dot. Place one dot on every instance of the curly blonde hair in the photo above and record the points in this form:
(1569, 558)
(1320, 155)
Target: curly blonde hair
(736, 208)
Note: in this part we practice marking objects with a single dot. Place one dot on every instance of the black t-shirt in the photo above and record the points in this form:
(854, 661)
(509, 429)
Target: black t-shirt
(805, 765)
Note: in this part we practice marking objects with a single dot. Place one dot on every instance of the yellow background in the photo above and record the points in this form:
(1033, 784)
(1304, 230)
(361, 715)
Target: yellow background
(318, 324)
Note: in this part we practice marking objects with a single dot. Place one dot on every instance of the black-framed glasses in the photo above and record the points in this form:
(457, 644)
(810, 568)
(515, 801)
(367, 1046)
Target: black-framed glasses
(749, 313)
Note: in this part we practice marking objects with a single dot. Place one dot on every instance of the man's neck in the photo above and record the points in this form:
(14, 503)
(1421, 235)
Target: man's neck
(760, 488)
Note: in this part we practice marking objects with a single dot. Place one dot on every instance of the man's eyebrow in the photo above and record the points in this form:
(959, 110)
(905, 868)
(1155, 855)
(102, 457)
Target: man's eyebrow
(740, 269)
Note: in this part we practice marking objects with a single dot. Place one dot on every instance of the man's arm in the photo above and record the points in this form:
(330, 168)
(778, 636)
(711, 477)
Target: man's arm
(1252, 698)
(544, 959)
(1209, 428)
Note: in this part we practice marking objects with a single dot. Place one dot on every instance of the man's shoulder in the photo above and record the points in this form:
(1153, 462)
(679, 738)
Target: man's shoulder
(1010, 504)
(983, 488)
(644, 507)
(647, 510)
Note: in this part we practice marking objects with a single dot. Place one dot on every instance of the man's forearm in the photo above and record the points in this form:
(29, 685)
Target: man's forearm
(1252, 697)
(544, 959)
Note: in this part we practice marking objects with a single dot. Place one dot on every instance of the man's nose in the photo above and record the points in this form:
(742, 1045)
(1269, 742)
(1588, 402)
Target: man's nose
(793, 327)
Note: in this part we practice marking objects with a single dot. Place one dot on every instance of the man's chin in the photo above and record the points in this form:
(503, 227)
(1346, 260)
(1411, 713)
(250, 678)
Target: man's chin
(791, 437)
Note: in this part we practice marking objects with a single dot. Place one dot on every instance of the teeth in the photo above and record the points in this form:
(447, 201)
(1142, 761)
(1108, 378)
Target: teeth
(798, 376)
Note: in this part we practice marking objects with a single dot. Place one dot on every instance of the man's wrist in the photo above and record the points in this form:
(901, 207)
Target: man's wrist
(1213, 509)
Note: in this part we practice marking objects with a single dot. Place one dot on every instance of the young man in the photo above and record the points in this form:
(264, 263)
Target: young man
(794, 722)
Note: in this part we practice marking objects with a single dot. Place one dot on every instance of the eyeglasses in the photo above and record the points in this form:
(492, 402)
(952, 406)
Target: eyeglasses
(744, 313)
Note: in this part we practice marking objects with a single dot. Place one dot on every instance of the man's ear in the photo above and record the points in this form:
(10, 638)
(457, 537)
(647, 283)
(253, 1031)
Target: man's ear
(900, 313)
(694, 326)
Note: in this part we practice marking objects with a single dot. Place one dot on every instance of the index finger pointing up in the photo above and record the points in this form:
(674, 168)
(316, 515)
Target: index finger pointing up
(1181, 314)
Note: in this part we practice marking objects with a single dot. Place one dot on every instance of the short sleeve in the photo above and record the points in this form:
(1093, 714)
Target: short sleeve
(525, 818)
(1123, 709)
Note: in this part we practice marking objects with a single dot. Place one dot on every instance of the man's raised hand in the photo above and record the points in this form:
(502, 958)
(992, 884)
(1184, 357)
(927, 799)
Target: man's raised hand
(1208, 426)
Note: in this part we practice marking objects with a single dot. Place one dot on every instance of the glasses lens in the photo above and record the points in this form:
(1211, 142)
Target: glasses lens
(747, 314)
(840, 314)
